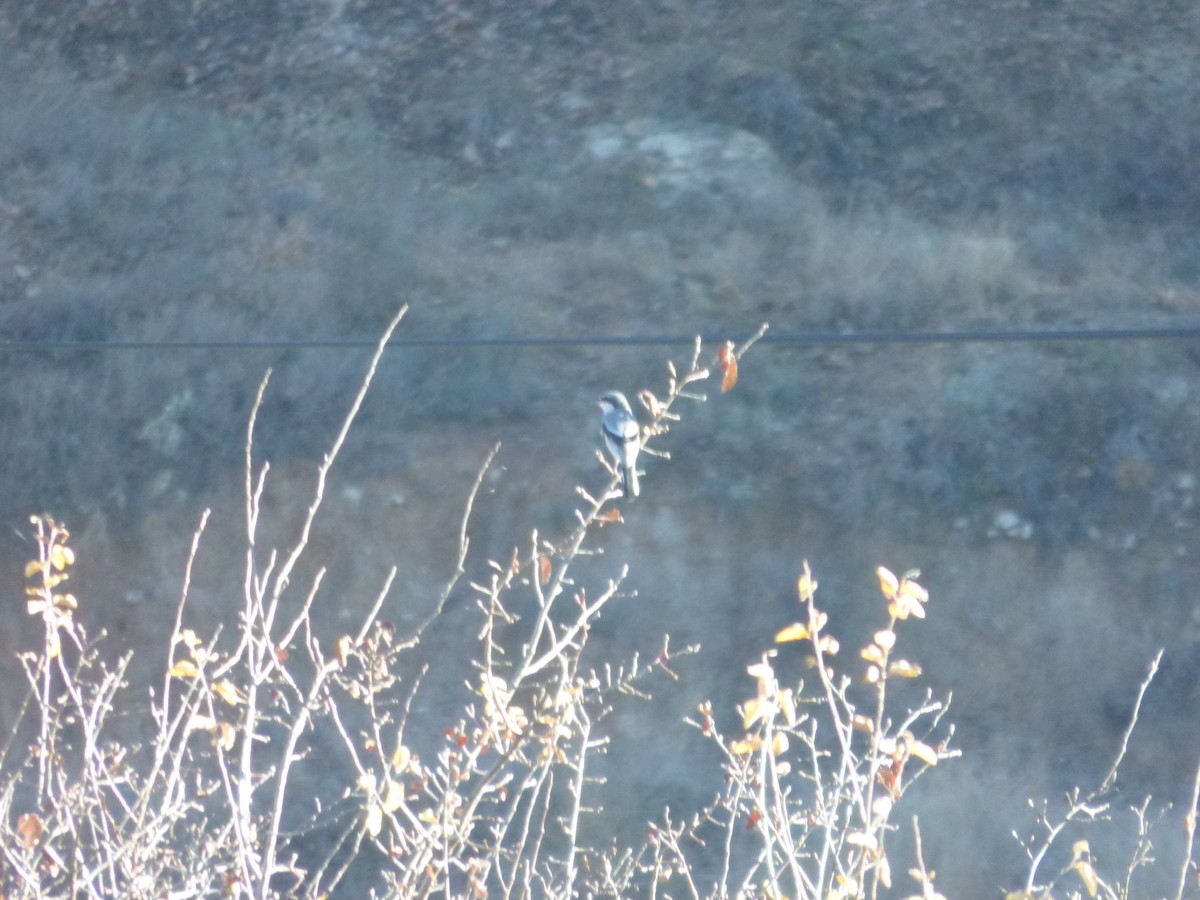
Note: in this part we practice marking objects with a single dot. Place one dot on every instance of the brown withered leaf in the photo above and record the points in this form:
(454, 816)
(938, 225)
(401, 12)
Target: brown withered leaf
(30, 828)
(544, 569)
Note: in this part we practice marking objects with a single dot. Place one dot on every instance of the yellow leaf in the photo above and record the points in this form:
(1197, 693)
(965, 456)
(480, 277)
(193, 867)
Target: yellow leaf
(34, 607)
(374, 819)
(914, 590)
(828, 645)
(871, 653)
(227, 692)
(201, 722)
(885, 639)
(924, 752)
(753, 710)
(1087, 874)
(61, 557)
(343, 648)
(902, 668)
(807, 586)
(885, 871)
(797, 631)
(760, 671)
(1079, 850)
(393, 796)
(188, 636)
(863, 723)
(779, 743)
(401, 758)
(887, 583)
(66, 601)
(787, 703)
(185, 668)
(33, 567)
(862, 839)
(428, 816)
(744, 747)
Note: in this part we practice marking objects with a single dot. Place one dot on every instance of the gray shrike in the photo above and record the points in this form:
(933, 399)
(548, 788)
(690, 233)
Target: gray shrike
(623, 437)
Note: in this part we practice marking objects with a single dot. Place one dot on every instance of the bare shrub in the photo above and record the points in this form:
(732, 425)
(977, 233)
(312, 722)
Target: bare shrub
(226, 794)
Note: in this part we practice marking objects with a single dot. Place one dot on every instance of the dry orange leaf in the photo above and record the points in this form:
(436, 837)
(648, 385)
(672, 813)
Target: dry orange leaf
(544, 569)
(30, 828)
(729, 367)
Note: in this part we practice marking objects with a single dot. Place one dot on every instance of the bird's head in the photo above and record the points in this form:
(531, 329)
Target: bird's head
(615, 400)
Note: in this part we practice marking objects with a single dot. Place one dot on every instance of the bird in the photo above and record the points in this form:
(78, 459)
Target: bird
(623, 437)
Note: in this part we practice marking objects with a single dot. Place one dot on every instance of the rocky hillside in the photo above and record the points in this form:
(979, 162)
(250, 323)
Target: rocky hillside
(221, 171)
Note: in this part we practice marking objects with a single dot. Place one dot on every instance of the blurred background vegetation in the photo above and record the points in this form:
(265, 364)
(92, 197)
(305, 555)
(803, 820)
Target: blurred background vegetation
(218, 171)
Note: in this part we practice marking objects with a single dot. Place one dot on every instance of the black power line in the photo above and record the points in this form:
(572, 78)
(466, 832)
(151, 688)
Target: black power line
(1006, 336)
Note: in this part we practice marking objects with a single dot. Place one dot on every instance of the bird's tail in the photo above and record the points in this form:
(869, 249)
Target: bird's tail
(629, 479)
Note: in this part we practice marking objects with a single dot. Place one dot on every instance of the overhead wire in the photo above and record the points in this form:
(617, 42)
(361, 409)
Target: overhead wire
(1013, 335)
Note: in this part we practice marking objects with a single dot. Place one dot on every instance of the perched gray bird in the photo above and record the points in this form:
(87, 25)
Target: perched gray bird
(623, 437)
